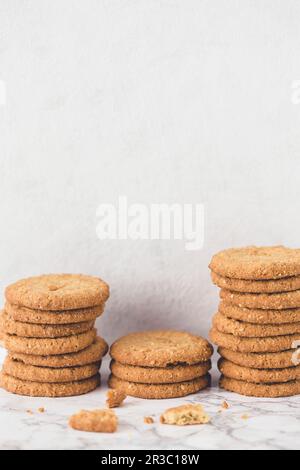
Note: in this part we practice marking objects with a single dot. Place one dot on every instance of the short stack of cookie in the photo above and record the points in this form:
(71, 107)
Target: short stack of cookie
(160, 364)
(257, 327)
(48, 326)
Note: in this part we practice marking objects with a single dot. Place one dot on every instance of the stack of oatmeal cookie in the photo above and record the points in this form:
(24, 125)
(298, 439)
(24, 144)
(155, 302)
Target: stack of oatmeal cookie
(257, 327)
(160, 364)
(48, 328)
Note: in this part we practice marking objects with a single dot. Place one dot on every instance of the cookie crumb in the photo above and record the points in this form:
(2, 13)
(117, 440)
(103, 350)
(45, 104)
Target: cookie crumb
(148, 420)
(94, 421)
(225, 405)
(115, 398)
(184, 415)
(41, 410)
(29, 412)
(245, 417)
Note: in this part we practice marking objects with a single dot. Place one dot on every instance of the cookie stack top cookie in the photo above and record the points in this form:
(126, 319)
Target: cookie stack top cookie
(58, 292)
(161, 348)
(48, 327)
(258, 321)
(160, 364)
(257, 263)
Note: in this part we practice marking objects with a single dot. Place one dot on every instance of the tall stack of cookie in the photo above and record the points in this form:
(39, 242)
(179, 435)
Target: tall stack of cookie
(160, 364)
(257, 327)
(48, 326)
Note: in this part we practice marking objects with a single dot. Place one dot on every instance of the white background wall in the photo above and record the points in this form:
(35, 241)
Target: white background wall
(161, 101)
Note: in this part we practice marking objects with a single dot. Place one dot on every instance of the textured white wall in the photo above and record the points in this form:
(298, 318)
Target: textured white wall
(161, 101)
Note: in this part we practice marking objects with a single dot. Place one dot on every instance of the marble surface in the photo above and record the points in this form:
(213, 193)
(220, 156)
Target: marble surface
(247, 424)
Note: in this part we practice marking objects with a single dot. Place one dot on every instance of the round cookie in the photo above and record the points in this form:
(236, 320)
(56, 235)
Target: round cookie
(281, 301)
(260, 390)
(49, 346)
(253, 345)
(241, 285)
(37, 389)
(30, 330)
(89, 355)
(260, 376)
(254, 263)
(250, 330)
(279, 360)
(260, 316)
(161, 348)
(22, 371)
(160, 391)
(156, 375)
(58, 292)
(1, 338)
(55, 317)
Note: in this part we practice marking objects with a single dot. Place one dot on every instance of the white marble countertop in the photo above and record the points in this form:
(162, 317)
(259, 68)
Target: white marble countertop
(271, 423)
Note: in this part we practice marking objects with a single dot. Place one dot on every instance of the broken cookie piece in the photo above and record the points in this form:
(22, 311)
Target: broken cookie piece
(245, 417)
(94, 421)
(148, 420)
(115, 398)
(185, 415)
